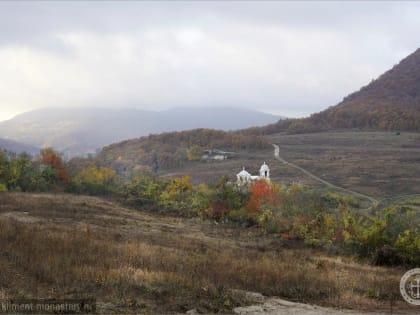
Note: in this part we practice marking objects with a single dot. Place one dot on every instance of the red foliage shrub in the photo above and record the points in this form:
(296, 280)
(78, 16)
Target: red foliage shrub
(52, 159)
(261, 192)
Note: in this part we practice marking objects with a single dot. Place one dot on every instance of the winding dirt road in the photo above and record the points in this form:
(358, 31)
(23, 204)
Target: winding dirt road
(374, 202)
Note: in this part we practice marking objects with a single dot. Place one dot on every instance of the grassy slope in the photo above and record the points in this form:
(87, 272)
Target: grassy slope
(76, 246)
(381, 164)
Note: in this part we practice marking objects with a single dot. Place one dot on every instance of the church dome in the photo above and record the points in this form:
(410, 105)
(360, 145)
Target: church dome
(243, 173)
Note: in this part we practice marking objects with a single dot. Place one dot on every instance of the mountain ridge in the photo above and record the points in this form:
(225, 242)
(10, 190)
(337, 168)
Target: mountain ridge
(389, 103)
(80, 131)
(16, 147)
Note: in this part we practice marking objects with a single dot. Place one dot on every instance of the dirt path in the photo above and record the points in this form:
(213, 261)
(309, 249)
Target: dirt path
(374, 202)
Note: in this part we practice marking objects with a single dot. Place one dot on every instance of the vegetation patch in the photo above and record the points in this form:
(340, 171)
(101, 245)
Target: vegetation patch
(131, 262)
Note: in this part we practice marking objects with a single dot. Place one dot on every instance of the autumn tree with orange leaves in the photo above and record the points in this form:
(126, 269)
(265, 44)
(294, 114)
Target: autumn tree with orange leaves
(261, 193)
(55, 170)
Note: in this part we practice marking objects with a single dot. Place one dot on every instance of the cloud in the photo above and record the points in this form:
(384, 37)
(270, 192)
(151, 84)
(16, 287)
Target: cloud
(288, 58)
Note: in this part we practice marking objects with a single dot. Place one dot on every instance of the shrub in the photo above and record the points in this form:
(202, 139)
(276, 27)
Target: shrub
(3, 187)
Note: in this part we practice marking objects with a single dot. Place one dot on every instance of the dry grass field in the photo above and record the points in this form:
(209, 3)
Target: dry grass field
(380, 164)
(66, 246)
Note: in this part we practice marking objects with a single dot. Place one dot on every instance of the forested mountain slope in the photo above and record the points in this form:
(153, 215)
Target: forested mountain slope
(391, 102)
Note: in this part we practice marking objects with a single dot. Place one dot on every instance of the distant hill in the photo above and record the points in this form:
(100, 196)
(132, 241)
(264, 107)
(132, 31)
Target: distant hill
(391, 102)
(83, 130)
(16, 147)
(170, 150)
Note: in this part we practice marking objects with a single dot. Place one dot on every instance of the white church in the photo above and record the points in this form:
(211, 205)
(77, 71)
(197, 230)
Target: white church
(243, 177)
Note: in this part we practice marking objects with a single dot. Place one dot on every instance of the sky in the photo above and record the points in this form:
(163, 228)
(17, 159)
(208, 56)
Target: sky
(286, 58)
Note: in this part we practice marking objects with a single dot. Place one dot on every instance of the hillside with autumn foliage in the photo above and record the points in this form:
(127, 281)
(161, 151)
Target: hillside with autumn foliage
(171, 150)
(391, 103)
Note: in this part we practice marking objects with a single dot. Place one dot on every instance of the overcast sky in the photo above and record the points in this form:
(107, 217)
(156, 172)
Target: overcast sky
(286, 58)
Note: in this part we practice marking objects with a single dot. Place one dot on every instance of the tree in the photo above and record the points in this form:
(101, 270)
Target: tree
(261, 193)
(194, 153)
(177, 195)
(227, 199)
(145, 191)
(94, 180)
(55, 170)
(29, 171)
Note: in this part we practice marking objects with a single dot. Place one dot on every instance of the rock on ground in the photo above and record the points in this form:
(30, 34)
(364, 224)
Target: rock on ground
(275, 306)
